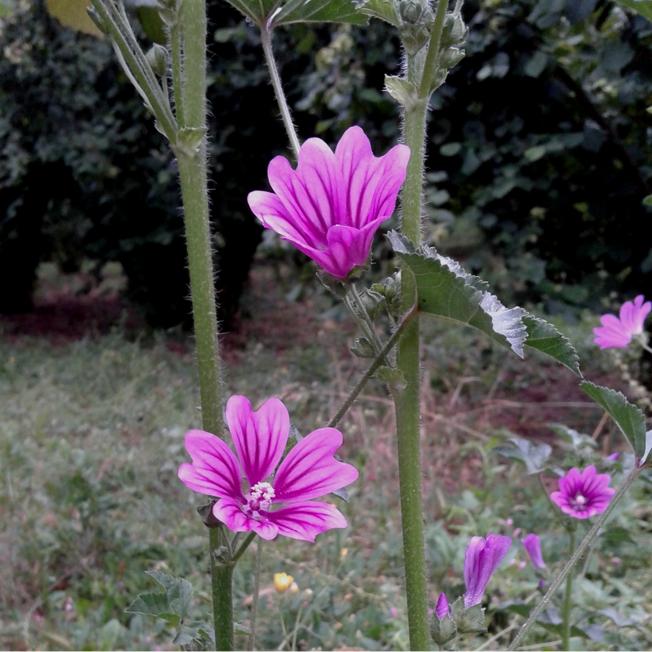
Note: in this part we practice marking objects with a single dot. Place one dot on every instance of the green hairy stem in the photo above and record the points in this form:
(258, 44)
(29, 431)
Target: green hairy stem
(189, 80)
(407, 401)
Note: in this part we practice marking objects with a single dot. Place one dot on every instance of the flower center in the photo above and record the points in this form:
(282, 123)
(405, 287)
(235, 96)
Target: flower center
(259, 497)
(579, 501)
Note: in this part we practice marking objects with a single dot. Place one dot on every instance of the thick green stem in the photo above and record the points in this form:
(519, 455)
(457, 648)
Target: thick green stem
(190, 93)
(576, 557)
(222, 588)
(568, 601)
(407, 403)
(286, 115)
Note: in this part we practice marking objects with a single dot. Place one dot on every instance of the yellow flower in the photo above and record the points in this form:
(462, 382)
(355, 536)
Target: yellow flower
(344, 553)
(282, 582)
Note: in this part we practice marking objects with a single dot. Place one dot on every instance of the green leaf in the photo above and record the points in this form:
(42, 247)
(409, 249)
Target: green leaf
(172, 605)
(319, 11)
(643, 7)
(629, 419)
(545, 338)
(403, 91)
(647, 200)
(257, 10)
(534, 456)
(381, 9)
(73, 14)
(445, 290)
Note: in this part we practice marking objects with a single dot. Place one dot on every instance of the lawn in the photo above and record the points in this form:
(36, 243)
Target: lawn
(92, 434)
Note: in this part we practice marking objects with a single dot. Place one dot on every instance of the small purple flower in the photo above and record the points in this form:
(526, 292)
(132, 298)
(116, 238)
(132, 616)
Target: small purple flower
(613, 457)
(331, 206)
(482, 558)
(617, 332)
(442, 608)
(583, 494)
(265, 505)
(532, 545)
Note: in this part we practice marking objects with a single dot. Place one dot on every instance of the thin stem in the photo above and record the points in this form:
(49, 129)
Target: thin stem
(143, 77)
(378, 361)
(431, 65)
(577, 555)
(286, 115)
(176, 51)
(568, 601)
(243, 546)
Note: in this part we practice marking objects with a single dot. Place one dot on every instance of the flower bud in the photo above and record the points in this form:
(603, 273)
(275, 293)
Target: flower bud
(283, 582)
(157, 57)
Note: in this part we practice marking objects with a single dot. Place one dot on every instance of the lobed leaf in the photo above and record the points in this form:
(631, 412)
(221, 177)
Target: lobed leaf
(275, 12)
(381, 9)
(319, 11)
(629, 419)
(447, 291)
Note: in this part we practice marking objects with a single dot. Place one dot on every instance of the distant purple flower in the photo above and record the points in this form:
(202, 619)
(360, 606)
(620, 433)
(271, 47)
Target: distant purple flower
(331, 206)
(613, 457)
(617, 332)
(268, 506)
(532, 545)
(482, 558)
(583, 494)
(442, 608)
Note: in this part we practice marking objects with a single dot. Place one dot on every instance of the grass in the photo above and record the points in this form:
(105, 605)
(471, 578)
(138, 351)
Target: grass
(91, 436)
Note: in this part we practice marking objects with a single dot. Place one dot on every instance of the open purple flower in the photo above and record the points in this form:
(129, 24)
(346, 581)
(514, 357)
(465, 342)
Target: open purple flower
(331, 206)
(442, 608)
(482, 558)
(268, 505)
(617, 332)
(532, 545)
(583, 494)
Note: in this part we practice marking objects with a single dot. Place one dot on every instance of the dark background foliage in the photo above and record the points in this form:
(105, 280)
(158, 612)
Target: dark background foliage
(539, 150)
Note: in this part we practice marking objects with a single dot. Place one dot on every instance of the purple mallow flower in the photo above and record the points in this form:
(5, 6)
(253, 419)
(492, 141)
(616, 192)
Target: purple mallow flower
(442, 608)
(583, 494)
(617, 332)
(268, 505)
(482, 558)
(532, 545)
(331, 206)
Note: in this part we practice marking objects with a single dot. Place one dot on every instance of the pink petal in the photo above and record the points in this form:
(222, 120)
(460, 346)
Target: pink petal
(296, 200)
(259, 437)
(319, 173)
(310, 470)
(272, 213)
(372, 184)
(227, 511)
(305, 520)
(214, 470)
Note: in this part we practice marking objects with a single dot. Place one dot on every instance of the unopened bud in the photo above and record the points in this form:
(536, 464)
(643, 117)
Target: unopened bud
(157, 57)
(455, 29)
